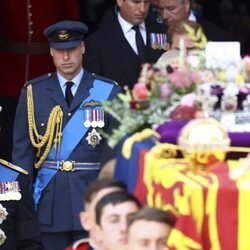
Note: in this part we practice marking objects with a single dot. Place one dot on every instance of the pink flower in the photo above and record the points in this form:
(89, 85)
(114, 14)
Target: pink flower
(188, 100)
(140, 92)
(180, 79)
(165, 91)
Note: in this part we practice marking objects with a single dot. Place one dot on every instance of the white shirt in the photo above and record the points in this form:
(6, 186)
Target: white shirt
(192, 17)
(76, 82)
(129, 33)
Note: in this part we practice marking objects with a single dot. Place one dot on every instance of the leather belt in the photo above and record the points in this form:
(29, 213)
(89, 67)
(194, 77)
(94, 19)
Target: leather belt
(70, 166)
(33, 48)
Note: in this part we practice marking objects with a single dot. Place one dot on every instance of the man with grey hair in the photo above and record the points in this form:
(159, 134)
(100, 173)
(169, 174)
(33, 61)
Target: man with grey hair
(177, 10)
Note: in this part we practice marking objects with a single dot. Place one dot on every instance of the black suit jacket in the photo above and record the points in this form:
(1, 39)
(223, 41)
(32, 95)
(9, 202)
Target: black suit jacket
(108, 53)
(213, 32)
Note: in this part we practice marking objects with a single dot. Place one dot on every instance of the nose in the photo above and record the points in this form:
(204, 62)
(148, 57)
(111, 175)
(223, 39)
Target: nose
(164, 15)
(142, 6)
(65, 54)
(123, 225)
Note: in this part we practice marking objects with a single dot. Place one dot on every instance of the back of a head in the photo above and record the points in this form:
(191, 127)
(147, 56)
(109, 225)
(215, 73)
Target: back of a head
(97, 185)
(152, 214)
(179, 27)
(114, 198)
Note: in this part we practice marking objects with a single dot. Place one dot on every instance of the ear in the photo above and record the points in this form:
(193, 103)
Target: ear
(84, 219)
(168, 46)
(51, 51)
(187, 4)
(119, 2)
(83, 47)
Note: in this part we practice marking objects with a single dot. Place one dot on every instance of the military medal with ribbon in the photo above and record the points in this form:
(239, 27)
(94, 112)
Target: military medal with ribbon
(3, 216)
(158, 41)
(93, 115)
(10, 190)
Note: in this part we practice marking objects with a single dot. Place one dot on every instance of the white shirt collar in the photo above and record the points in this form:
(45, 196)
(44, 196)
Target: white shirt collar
(192, 17)
(76, 80)
(126, 26)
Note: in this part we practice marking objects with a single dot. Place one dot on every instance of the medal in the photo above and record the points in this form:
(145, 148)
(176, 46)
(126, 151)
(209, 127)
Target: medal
(93, 114)
(10, 190)
(3, 213)
(2, 237)
(101, 118)
(158, 41)
(93, 138)
(87, 117)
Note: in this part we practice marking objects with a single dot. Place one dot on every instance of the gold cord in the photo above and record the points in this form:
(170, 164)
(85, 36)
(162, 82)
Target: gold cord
(53, 131)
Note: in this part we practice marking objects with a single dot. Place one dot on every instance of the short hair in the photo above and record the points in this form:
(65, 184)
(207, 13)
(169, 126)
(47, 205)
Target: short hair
(152, 214)
(178, 27)
(95, 186)
(114, 198)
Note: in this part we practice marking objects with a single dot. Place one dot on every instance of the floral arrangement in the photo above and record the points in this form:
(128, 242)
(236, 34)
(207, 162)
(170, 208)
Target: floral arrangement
(169, 92)
(151, 101)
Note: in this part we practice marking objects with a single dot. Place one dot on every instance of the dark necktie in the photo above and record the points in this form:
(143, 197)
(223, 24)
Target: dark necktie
(68, 93)
(139, 42)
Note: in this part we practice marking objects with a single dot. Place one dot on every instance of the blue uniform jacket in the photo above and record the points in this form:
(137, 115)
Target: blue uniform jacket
(61, 201)
(21, 225)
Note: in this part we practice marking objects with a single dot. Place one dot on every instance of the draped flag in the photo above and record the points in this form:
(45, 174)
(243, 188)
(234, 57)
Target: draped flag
(211, 207)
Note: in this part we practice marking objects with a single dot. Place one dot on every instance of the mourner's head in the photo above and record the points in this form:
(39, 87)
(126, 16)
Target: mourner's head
(174, 10)
(112, 214)
(133, 11)
(67, 46)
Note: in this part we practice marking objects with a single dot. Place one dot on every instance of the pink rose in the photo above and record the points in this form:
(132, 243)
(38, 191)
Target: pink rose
(180, 79)
(140, 92)
(188, 100)
(165, 91)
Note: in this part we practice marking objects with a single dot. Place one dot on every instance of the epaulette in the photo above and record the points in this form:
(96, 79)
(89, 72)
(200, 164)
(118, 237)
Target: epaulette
(14, 167)
(38, 79)
(104, 79)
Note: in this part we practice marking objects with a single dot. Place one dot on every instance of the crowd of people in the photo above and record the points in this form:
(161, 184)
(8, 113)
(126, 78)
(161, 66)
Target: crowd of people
(58, 148)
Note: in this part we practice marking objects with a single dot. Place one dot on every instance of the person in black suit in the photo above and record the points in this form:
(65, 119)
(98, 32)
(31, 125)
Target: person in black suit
(177, 10)
(57, 134)
(19, 228)
(112, 51)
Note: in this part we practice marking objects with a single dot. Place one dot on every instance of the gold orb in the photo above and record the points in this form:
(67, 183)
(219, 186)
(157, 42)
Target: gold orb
(204, 141)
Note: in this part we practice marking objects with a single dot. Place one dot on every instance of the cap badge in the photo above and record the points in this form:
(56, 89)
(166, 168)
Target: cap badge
(93, 138)
(63, 34)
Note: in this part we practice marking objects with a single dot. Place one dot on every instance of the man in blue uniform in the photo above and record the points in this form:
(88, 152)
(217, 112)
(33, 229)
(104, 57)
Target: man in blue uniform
(19, 227)
(57, 133)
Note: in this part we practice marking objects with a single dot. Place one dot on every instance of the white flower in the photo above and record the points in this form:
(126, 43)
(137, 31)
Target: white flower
(2, 237)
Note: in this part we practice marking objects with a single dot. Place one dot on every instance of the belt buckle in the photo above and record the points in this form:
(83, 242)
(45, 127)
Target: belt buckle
(68, 166)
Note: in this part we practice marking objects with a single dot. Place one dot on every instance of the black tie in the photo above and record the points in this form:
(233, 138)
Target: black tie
(68, 93)
(139, 42)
